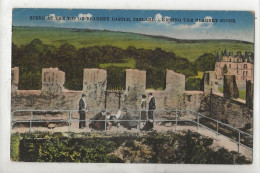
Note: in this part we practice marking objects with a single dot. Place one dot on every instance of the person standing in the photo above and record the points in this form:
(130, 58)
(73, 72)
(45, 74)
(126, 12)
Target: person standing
(151, 108)
(143, 111)
(82, 111)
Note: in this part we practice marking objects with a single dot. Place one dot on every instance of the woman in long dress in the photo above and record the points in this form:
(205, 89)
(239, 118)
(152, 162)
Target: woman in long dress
(143, 112)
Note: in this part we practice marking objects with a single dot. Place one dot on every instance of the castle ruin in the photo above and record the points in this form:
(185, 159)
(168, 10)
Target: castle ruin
(54, 95)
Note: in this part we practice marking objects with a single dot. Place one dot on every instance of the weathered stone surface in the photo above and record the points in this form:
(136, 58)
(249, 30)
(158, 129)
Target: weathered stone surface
(175, 88)
(33, 99)
(135, 78)
(193, 100)
(175, 82)
(135, 87)
(234, 112)
(115, 100)
(52, 80)
(94, 86)
(15, 79)
(209, 82)
(230, 87)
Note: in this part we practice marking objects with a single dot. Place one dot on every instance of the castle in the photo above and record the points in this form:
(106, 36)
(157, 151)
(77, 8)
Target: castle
(242, 66)
(54, 95)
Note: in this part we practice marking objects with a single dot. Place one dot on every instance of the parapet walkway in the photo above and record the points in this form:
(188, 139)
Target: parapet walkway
(219, 141)
(180, 120)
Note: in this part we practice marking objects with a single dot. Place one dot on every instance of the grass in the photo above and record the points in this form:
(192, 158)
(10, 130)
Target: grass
(220, 89)
(242, 93)
(15, 143)
(182, 48)
(129, 63)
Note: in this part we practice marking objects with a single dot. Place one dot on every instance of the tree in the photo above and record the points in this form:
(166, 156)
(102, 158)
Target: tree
(193, 84)
(205, 62)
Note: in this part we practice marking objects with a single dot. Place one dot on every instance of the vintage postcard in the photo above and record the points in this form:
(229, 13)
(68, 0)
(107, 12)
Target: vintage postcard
(132, 86)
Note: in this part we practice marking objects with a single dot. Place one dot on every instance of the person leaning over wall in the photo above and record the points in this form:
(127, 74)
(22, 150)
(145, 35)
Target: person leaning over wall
(129, 123)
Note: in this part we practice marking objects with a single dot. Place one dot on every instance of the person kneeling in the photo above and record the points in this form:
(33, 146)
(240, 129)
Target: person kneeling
(128, 123)
(98, 121)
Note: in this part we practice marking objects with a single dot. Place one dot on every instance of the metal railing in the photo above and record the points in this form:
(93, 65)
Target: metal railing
(167, 114)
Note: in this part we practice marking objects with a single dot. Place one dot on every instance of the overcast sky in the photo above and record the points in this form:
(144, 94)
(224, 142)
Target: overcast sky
(241, 29)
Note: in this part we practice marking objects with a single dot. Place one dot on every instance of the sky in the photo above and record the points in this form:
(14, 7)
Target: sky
(234, 25)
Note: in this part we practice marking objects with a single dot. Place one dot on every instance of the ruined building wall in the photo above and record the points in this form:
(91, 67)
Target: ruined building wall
(53, 95)
(236, 113)
(227, 106)
(210, 102)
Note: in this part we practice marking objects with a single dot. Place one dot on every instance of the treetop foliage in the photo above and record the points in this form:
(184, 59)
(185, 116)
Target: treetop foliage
(36, 55)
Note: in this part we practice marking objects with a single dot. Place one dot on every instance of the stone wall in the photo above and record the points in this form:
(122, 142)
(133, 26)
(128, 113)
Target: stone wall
(210, 83)
(210, 102)
(15, 79)
(52, 81)
(53, 95)
(135, 87)
(94, 86)
(226, 106)
(230, 89)
(237, 114)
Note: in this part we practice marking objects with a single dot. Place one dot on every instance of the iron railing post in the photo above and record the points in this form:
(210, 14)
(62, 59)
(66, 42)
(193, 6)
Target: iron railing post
(106, 122)
(70, 121)
(140, 120)
(30, 130)
(176, 119)
(198, 122)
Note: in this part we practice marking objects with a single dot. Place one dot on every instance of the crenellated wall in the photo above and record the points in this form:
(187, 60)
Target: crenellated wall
(53, 95)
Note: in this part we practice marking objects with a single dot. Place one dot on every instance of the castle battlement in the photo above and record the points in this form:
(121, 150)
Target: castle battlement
(53, 94)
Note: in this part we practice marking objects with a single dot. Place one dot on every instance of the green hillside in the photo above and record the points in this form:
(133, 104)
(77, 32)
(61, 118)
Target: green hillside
(190, 49)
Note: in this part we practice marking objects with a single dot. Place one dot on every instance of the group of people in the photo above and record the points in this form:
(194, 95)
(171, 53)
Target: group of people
(105, 120)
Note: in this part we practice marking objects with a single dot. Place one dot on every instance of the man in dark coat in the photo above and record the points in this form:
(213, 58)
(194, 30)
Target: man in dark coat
(151, 108)
(128, 124)
(82, 111)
